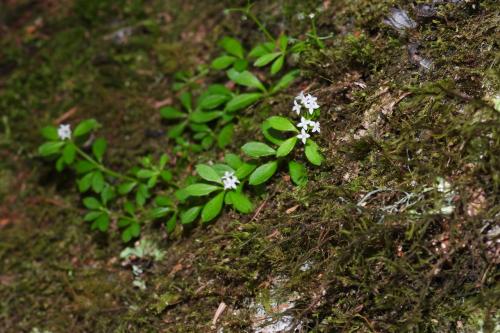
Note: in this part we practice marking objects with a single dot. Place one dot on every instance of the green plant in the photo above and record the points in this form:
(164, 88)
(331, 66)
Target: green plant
(208, 120)
(143, 193)
(224, 187)
(64, 146)
(276, 129)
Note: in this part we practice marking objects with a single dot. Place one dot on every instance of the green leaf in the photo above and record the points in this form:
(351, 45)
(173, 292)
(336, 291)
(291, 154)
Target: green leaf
(233, 160)
(185, 98)
(91, 216)
(212, 101)
(298, 173)
(85, 183)
(222, 168)
(225, 135)
(263, 173)
(218, 89)
(152, 181)
(83, 166)
(312, 153)
(125, 188)
(163, 160)
(246, 79)
(158, 212)
(169, 112)
(266, 59)
(101, 223)
(223, 62)
(190, 215)
(50, 133)
(107, 193)
(85, 127)
(124, 221)
(129, 207)
(207, 142)
(261, 49)
(177, 130)
(200, 189)
(171, 224)
(98, 148)
(213, 208)
(133, 230)
(240, 202)
(204, 128)
(281, 124)
(91, 203)
(97, 182)
(285, 81)
(166, 175)
(141, 195)
(60, 164)
(242, 101)
(163, 200)
(50, 148)
(286, 147)
(69, 153)
(283, 42)
(232, 46)
(257, 149)
(208, 173)
(277, 65)
(244, 170)
(204, 116)
(240, 65)
(144, 173)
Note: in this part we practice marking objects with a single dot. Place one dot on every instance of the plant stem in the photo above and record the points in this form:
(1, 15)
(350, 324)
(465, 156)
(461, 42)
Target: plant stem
(247, 12)
(102, 167)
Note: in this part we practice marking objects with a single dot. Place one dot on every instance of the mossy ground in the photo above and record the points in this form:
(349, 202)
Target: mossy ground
(377, 263)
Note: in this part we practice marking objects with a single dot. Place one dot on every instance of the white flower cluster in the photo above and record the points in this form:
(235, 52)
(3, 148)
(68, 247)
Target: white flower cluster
(311, 104)
(308, 101)
(230, 181)
(64, 132)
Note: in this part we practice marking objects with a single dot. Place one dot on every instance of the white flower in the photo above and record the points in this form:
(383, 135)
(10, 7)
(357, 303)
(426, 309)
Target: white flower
(303, 136)
(300, 97)
(296, 107)
(311, 16)
(64, 132)
(230, 181)
(315, 126)
(304, 123)
(310, 102)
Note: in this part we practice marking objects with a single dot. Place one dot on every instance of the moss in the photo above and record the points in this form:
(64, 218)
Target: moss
(381, 255)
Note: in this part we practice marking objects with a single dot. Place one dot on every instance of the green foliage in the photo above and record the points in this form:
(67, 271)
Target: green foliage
(197, 121)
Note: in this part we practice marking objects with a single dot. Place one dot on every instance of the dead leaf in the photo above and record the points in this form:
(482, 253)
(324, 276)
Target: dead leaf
(220, 309)
(66, 115)
(292, 209)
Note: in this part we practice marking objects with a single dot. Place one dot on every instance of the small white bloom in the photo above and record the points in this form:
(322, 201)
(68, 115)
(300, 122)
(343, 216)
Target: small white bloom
(300, 97)
(296, 107)
(230, 181)
(227, 175)
(304, 123)
(311, 16)
(311, 104)
(303, 136)
(315, 126)
(64, 132)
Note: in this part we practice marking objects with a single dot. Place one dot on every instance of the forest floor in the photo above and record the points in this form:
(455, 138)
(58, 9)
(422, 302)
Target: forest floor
(397, 231)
